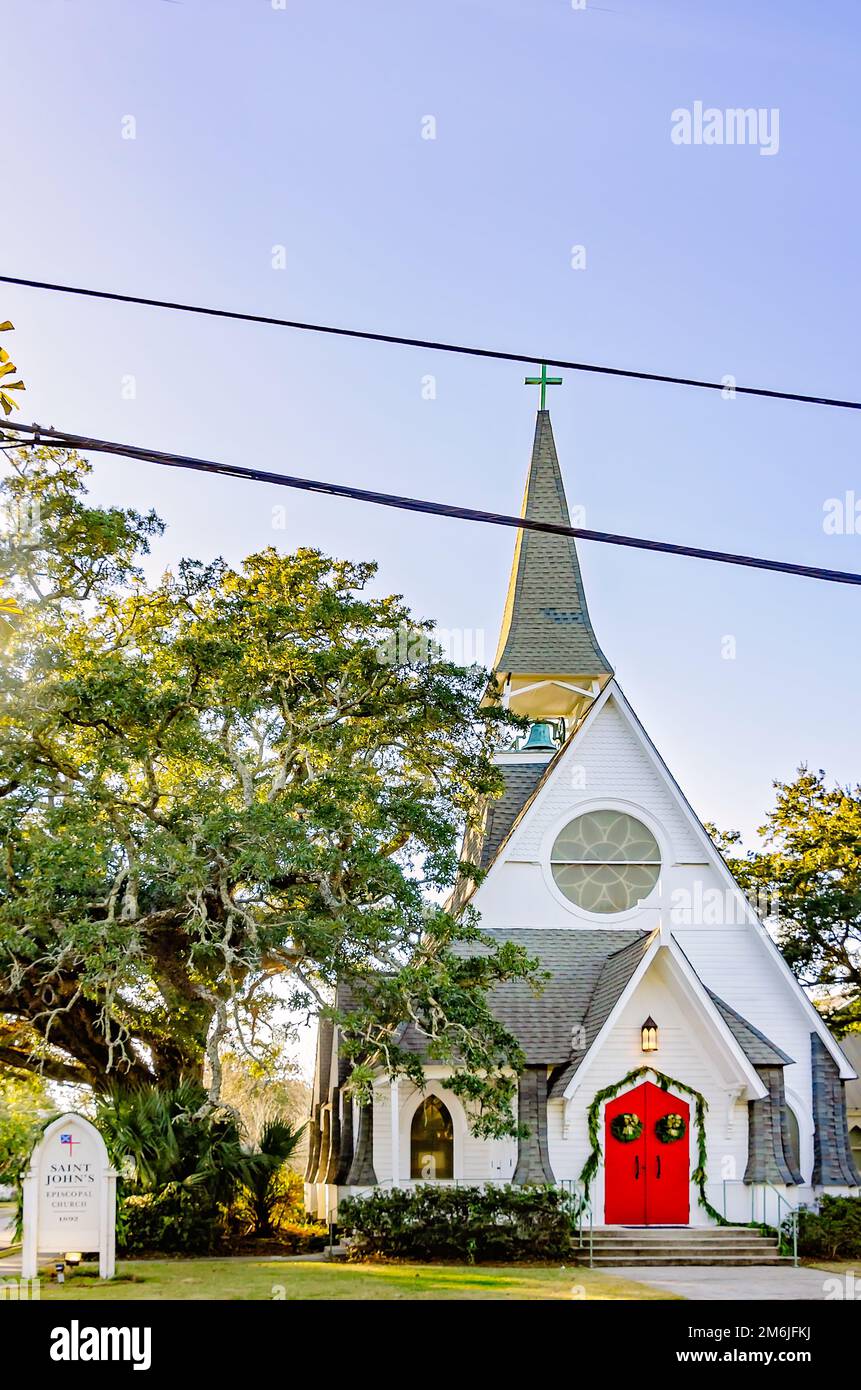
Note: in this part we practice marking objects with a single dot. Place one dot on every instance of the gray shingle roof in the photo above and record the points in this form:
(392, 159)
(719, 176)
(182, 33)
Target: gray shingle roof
(574, 959)
(546, 628)
(589, 969)
(323, 1063)
(520, 782)
(481, 845)
(615, 974)
(833, 1160)
(755, 1045)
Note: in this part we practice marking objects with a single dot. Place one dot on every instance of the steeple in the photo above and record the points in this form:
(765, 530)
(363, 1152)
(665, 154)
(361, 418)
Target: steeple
(548, 662)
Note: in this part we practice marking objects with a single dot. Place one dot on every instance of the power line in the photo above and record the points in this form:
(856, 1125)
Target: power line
(429, 344)
(51, 437)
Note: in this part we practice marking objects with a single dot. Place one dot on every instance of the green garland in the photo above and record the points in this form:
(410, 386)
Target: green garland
(590, 1167)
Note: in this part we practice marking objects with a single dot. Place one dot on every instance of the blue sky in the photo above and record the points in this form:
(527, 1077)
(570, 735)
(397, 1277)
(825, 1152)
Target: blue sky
(301, 127)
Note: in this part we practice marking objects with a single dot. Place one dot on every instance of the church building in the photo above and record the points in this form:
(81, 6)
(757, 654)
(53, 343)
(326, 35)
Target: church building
(676, 1073)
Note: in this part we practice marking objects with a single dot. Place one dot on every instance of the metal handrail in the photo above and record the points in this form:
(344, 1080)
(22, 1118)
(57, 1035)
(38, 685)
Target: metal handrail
(584, 1209)
(793, 1218)
(782, 1201)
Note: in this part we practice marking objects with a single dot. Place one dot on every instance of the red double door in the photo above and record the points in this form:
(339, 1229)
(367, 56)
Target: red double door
(646, 1181)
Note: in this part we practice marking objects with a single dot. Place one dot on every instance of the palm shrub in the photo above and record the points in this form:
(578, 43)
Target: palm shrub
(188, 1184)
(271, 1195)
(181, 1163)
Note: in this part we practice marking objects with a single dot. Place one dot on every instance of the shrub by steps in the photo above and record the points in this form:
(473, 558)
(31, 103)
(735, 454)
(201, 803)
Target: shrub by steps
(432, 1222)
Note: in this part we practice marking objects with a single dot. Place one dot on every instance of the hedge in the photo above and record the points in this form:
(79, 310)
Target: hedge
(432, 1222)
(177, 1220)
(833, 1231)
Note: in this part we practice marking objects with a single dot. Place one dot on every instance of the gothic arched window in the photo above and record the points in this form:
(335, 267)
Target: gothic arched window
(431, 1141)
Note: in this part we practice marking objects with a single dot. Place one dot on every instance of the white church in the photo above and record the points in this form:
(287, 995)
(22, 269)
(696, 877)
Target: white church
(714, 1088)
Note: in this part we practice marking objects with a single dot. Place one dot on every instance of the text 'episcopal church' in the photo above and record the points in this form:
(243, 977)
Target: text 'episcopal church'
(589, 852)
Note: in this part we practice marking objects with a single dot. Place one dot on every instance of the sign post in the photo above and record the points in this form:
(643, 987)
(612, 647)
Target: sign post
(70, 1196)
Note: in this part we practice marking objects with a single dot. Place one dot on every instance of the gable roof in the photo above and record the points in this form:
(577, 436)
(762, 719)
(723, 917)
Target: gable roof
(545, 773)
(612, 691)
(546, 627)
(661, 945)
(483, 845)
(718, 860)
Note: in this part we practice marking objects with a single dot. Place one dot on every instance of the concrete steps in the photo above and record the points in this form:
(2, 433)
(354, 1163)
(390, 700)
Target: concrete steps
(689, 1245)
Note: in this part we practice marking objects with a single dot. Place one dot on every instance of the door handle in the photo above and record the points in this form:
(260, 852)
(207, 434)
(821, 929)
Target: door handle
(658, 1173)
(636, 1167)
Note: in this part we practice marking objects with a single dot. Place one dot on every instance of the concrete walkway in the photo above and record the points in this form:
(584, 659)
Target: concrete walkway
(738, 1283)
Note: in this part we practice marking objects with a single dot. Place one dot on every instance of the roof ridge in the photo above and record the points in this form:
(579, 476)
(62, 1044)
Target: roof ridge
(641, 938)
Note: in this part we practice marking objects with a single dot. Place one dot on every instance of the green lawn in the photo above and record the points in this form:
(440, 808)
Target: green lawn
(269, 1279)
(836, 1266)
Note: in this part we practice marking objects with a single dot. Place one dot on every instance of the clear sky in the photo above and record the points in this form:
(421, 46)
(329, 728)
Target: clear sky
(301, 127)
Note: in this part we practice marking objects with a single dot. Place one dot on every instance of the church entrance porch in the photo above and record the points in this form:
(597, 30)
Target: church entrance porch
(647, 1158)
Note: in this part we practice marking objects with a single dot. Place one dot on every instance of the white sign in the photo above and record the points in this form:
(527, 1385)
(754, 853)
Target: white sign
(70, 1196)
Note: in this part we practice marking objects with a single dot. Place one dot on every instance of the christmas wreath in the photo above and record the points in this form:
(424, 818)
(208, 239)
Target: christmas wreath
(626, 1128)
(670, 1128)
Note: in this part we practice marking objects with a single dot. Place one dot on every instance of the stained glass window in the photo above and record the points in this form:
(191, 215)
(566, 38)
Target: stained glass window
(605, 861)
(431, 1142)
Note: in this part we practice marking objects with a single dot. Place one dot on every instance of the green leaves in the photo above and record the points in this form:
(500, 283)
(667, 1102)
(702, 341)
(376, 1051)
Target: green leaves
(219, 797)
(24, 1103)
(808, 883)
(832, 1231)
(437, 1222)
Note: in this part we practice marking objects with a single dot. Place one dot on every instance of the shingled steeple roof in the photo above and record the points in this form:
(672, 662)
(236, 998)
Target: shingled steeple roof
(546, 627)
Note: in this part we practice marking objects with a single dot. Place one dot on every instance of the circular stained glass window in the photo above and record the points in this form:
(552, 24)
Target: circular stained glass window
(605, 861)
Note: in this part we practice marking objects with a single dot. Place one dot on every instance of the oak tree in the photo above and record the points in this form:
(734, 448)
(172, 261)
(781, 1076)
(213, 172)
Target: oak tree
(221, 793)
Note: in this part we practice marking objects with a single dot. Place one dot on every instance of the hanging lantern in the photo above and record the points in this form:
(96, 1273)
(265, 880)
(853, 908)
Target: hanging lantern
(650, 1035)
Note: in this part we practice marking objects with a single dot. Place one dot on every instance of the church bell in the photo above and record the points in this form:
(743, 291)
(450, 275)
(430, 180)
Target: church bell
(540, 738)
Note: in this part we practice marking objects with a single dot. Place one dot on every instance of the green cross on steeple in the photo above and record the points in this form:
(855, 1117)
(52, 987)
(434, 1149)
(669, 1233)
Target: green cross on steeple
(543, 381)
